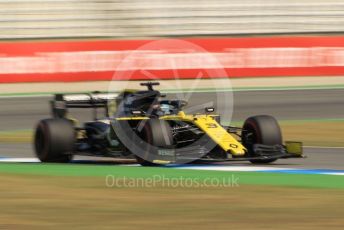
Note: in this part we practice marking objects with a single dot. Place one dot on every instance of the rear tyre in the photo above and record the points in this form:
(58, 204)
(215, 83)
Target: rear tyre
(261, 129)
(156, 133)
(54, 140)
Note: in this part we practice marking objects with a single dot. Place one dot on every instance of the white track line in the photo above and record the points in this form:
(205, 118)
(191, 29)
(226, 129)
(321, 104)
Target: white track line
(19, 160)
(335, 174)
(234, 168)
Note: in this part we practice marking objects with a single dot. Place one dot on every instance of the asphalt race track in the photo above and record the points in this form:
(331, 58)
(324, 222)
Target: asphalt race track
(23, 113)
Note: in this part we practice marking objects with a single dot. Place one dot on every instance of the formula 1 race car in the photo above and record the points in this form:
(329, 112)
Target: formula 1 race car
(142, 124)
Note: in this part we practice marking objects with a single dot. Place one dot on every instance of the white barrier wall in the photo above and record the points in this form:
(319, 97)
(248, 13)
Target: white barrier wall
(151, 18)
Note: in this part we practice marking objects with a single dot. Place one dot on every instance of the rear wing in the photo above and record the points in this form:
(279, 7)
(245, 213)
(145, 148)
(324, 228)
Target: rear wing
(62, 102)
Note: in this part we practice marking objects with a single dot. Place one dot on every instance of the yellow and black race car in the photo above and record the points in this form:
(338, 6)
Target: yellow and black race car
(142, 124)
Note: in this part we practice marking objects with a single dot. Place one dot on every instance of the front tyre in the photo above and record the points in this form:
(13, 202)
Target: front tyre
(54, 140)
(262, 129)
(156, 133)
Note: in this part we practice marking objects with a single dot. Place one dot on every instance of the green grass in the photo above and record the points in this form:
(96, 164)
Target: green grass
(248, 178)
(199, 90)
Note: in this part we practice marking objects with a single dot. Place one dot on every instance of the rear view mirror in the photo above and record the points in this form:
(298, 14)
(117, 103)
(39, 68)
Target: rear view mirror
(136, 112)
(209, 109)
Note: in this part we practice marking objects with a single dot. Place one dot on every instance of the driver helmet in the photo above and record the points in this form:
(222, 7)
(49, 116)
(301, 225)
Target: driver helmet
(165, 108)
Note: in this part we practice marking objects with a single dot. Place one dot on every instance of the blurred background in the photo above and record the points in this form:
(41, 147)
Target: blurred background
(284, 58)
(259, 43)
(151, 18)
